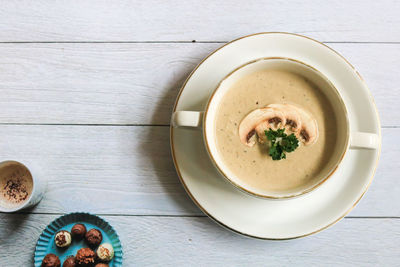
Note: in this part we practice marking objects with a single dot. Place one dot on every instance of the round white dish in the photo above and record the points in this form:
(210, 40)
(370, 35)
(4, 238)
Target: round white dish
(265, 218)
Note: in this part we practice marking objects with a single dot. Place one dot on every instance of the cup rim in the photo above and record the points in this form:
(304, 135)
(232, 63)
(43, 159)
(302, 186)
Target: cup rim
(26, 203)
(297, 194)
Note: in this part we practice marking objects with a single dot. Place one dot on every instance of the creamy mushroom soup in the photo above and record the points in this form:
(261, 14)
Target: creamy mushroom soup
(249, 159)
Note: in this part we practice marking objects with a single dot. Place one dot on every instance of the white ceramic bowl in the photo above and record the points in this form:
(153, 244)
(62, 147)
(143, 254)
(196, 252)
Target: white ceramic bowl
(192, 119)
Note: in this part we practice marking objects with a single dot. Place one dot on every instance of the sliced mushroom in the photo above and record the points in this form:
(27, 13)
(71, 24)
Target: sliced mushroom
(293, 120)
(308, 132)
(260, 130)
(267, 116)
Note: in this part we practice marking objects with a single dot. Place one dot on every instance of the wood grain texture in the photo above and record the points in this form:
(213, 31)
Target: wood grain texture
(138, 83)
(157, 20)
(95, 167)
(94, 83)
(172, 241)
(122, 63)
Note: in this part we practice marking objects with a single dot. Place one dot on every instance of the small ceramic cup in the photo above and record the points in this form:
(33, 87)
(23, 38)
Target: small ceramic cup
(345, 138)
(39, 184)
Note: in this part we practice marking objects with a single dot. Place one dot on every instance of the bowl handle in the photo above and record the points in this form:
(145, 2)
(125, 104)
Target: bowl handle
(364, 140)
(187, 119)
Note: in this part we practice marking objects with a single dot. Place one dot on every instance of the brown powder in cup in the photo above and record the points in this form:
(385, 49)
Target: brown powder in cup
(15, 184)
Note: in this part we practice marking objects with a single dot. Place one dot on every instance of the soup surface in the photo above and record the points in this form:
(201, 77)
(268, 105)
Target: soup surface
(253, 165)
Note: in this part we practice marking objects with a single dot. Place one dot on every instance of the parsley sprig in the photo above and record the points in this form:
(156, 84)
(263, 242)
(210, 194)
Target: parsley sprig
(281, 143)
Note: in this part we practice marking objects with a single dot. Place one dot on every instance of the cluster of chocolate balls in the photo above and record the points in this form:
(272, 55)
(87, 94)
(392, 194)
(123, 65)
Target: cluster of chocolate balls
(85, 257)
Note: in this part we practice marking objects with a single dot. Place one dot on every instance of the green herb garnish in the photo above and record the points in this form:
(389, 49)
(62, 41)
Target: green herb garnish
(281, 143)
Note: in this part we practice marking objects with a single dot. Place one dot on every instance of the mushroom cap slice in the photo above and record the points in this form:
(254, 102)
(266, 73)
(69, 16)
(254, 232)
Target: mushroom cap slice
(308, 132)
(260, 130)
(247, 127)
(293, 120)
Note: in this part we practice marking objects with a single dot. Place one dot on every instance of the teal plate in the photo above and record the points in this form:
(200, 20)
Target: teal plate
(45, 244)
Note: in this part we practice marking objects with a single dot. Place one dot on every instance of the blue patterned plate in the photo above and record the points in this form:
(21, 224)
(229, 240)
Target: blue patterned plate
(46, 244)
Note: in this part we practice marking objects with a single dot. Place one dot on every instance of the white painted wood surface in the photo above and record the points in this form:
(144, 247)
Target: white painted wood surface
(86, 91)
(132, 165)
(197, 241)
(138, 83)
(159, 20)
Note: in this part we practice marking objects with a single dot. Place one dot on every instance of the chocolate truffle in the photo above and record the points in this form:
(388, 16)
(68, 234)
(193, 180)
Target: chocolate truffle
(63, 239)
(101, 265)
(69, 262)
(51, 260)
(85, 257)
(105, 252)
(93, 237)
(78, 231)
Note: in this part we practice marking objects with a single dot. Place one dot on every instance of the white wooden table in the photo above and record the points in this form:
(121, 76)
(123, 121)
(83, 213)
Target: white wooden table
(86, 91)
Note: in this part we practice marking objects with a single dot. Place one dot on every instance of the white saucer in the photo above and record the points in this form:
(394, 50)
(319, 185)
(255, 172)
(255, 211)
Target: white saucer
(264, 218)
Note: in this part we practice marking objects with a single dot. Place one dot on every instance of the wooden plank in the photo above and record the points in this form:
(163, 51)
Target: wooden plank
(94, 83)
(157, 20)
(190, 241)
(92, 168)
(96, 167)
(138, 83)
